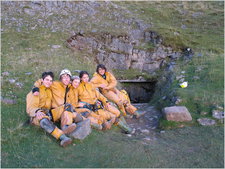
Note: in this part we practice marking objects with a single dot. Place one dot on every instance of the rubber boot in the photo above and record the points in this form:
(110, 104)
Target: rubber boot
(65, 140)
(67, 129)
(138, 114)
(49, 127)
(96, 126)
(124, 126)
(106, 126)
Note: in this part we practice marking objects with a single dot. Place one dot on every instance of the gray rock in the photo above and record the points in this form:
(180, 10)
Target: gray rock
(145, 131)
(196, 77)
(179, 77)
(8, 101)
(204, 113)
(12, 81)
(206, 122)
(19, 84)
(5, 73)
(177, 113)
(218, 114)
(56, 46)
(28, 73)
(183, 26)
(82, 131)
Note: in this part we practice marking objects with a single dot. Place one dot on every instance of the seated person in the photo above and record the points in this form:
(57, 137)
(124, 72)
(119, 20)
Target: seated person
(61, 110)
(96, 120)
(90, 98)
(106, 83)
(38, 107)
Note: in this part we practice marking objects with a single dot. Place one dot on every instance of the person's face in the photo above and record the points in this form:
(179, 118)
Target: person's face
(47, 81)
(65, 79)
(101, 71)
(85, 78)
(76, 83)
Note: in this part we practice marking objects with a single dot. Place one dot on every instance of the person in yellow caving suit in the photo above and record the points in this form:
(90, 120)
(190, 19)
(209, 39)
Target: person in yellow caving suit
(90, 98)
(38, 106)
(106, 83)
(61, 110)
(96, 120)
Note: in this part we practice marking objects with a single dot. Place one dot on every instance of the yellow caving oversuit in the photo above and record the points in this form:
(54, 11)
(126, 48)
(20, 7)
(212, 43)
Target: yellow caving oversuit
(112, 93)
(42, 103)
(96, 120)
(89, 97)
(59, 106)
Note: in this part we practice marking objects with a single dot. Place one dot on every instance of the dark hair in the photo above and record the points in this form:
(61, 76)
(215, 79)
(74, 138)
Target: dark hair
(101, 66)
(82, 73)
(45, 74)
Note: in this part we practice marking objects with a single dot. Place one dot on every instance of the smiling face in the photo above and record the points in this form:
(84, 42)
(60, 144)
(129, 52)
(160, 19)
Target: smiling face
(65, 79)
(85, 78)
(101, 71)
(76, 83)
(47, 81)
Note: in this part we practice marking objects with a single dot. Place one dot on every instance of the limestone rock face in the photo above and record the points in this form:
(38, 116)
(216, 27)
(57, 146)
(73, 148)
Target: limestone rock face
(177, 113)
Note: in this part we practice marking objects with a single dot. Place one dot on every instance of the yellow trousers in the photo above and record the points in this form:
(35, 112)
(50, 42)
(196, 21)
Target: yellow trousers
(121, 101)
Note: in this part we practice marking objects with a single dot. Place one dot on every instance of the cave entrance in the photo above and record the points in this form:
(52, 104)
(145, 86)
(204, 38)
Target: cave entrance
(140, 91)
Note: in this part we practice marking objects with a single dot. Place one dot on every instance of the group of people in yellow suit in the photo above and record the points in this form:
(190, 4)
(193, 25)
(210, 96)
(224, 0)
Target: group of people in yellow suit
(73, 99)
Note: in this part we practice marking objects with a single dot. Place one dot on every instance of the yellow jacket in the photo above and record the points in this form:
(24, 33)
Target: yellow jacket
(110, 81)
(86, 92)
(42, 101)
(73, 97)
(58, 93)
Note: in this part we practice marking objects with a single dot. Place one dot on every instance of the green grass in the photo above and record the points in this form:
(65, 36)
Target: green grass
(196, 146)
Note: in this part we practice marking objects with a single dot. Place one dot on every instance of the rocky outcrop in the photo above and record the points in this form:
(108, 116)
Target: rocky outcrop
(126, 42)
(120, 52)
(177, 113)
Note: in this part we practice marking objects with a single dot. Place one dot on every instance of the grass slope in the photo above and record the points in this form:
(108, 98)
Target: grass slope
(31, 51)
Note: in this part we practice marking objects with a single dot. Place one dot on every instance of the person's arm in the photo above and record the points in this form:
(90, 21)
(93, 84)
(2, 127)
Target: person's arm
(112, 82)
(32, 105)
(35, 89)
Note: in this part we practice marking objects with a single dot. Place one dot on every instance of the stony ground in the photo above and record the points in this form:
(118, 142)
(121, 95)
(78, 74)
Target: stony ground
(144, 128)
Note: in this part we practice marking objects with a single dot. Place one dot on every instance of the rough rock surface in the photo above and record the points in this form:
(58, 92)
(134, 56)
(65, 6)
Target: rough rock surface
(82, 131)
(177, 113)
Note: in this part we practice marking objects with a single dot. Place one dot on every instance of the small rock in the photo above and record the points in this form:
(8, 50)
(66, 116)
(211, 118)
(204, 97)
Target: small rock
(145, 131)
(147, 139)
(218, 114)
(162, 131)
(204, 113)
(196, 77)
(12, 81)
(220, 108)
(56, 46)
(181, 80)
(129, 135)
(206, 122)
(28, 73)
(182, 72)
(180, 77)
(133, 131)
(5, 73)
(178, 101)
(8, 101)
(18, 84)
(183, 27)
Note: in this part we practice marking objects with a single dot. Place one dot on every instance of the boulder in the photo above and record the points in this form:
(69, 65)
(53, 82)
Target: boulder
(206, 122)
(82, 131)
(177, 113)
(218, 114)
